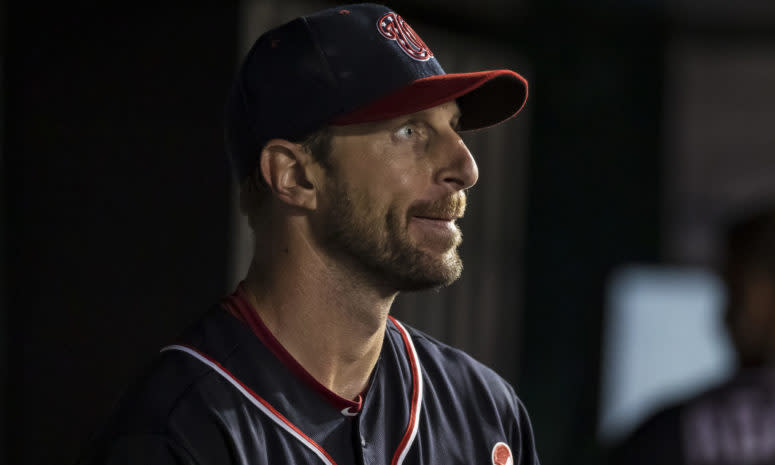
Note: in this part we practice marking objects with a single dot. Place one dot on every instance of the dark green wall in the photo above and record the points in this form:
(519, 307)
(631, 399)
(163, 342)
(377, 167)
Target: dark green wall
(594, 203)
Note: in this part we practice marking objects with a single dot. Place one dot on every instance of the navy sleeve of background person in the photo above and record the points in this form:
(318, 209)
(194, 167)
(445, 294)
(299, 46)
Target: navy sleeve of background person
(657, 440)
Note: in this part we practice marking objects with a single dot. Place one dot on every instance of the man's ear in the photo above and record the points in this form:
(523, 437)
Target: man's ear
(285, 167)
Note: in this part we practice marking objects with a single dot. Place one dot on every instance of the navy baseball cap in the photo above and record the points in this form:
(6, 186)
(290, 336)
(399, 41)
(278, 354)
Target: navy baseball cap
(347, 65)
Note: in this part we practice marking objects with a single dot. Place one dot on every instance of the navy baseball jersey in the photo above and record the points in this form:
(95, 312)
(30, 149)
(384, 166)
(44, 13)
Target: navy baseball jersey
(229, 393)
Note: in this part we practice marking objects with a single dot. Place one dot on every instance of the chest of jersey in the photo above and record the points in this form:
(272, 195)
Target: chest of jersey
(261, 414)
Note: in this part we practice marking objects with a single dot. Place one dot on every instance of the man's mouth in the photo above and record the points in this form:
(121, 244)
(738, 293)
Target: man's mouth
(443, 218)
(435, 225)
(443, 210)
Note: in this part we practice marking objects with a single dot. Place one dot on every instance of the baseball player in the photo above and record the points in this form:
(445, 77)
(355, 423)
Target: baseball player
(344, 132)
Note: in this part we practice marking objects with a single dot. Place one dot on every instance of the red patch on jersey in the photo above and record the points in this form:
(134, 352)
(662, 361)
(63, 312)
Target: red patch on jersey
(501, 455)
(393, 27)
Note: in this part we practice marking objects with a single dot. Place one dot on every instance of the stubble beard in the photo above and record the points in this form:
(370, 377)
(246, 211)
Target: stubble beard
(379, 243)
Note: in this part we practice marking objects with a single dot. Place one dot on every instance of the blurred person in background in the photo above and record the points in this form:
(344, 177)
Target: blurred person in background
(734, 422)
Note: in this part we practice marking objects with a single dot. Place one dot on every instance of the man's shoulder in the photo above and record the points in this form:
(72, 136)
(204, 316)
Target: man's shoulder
(462, 397)
(450, 368)
(173, 376)
(148, 404)
(175, 395)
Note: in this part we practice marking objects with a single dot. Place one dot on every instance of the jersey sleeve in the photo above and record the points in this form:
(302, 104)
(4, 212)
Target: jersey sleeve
(141, 449)
(522, 439)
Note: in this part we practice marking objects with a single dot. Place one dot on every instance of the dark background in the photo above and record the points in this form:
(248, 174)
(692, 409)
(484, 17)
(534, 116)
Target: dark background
(115, 193)
(116, 215)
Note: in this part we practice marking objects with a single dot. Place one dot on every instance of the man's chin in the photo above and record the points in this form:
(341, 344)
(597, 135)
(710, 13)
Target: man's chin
(434, 273)
(434, 240)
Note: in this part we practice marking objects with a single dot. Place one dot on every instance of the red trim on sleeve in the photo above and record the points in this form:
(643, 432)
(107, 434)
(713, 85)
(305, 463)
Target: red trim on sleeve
(238, 305)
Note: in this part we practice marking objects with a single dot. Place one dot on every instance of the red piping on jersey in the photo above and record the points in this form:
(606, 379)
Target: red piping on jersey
(263, 402)
(239, 306)
(410, 429)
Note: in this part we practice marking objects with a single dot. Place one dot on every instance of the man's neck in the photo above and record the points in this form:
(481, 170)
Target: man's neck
(331, 323)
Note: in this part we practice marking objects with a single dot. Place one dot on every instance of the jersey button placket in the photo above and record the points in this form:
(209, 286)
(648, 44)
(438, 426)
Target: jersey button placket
(359, 443)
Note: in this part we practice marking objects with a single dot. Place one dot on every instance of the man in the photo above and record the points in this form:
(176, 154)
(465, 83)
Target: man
(732, 423)
(343, 129)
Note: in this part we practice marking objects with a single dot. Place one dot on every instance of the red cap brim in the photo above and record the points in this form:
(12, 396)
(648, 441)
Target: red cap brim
(485, 98)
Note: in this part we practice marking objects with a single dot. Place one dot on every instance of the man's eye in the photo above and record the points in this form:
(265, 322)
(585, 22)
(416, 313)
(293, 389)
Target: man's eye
(407, 132)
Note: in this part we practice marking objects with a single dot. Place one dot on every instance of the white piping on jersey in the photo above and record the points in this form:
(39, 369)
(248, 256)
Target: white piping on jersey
(265, 407)
(348, 413)
(228, 377)
(418, 403)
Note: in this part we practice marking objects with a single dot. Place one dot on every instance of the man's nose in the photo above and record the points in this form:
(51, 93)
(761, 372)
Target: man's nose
(458, 168)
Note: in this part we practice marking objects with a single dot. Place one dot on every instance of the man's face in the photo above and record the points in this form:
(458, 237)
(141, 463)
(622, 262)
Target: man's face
(392, 195)
(750, 314)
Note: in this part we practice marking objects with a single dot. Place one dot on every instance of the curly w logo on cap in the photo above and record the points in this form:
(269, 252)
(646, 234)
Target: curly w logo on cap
(393, 27)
